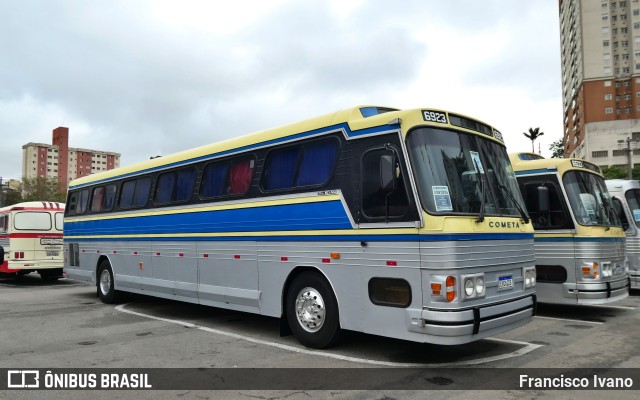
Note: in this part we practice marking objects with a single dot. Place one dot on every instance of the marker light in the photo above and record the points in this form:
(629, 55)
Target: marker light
(451, 288)
(590, 270)
(436, 289)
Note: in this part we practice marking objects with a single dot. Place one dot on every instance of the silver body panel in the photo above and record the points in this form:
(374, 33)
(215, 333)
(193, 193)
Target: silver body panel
(570, 253)
(250, 276)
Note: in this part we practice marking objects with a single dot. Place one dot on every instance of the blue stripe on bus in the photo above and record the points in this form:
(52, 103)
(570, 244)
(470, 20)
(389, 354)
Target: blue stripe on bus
(579, 239)
(319, 238)
(291, 217)
(338, 127)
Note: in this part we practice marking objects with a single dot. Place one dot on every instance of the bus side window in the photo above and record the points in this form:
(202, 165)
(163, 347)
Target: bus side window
(229, 177)
(308, 164)
(556, 217)
(103, 198)
(134, 193)
(175, 186)
(4, 223)
(83, 201)
(375, 200)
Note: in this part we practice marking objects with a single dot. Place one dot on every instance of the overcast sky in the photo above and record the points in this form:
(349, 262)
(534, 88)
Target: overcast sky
(146, 78)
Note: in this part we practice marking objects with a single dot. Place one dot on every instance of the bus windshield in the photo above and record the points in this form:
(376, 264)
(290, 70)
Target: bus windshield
(589, 198)
(633, 200)
(450, 168)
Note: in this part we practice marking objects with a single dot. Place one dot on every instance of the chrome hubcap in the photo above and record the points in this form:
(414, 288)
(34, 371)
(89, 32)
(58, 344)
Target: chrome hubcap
(310, 309)
(105, 281)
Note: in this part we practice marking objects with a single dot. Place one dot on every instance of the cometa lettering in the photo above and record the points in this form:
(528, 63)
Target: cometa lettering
(504, 224)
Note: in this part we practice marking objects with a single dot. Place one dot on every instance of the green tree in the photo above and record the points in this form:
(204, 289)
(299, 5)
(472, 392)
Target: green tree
(11, 197)
(557, 148)
(42, 189)
(533, 134)
(614, 172)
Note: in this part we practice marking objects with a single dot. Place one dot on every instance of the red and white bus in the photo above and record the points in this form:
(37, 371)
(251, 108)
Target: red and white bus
(31, 239)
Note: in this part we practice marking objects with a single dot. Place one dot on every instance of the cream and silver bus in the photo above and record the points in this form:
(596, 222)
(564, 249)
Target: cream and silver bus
(401, 223)
(31, 239)
(579, 242)
(626, 200)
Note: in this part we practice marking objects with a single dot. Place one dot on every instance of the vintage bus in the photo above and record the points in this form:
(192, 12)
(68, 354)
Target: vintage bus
(407, 224)
(579, 243)
(626, 200)
(31, 239)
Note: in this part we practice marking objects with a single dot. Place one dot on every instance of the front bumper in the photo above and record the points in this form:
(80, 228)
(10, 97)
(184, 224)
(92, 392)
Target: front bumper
(598, 292)
(469, 324)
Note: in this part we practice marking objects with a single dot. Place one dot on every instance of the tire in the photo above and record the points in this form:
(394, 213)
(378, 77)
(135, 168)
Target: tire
(105, 285)
(49, 277)
(312, 311)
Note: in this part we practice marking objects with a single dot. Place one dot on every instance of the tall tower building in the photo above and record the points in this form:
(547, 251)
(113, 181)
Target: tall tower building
(58, 160)
(600, 53)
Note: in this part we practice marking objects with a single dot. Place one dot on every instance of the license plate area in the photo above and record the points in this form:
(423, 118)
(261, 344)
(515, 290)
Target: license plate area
(505, 282)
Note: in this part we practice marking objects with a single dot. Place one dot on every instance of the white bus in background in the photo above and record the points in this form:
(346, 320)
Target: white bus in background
(626, 201)
(31, 240)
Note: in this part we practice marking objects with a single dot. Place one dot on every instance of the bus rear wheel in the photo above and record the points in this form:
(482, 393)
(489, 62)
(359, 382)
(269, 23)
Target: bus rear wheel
(312, 311)
(106, 287)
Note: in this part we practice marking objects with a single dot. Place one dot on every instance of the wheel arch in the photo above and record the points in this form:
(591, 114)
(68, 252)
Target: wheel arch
(295, 272)
(102, 258)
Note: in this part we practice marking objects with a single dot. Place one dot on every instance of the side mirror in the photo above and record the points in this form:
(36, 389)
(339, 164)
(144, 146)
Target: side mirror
(543, 199)
(1, 255)
(387, 173)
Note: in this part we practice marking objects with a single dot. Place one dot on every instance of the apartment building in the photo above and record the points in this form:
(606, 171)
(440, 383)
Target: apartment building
(600, 53)
(58, 160)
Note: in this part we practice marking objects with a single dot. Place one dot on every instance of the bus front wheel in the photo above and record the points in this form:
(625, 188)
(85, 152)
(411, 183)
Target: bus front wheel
(312, 311)
(106, 288)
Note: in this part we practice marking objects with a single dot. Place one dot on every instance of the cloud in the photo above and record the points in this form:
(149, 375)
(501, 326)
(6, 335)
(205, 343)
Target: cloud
(155, 77)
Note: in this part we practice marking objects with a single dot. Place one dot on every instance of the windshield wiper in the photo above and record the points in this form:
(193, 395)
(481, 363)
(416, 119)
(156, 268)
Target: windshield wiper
(608, 208)
(482, 193)
(523, 213)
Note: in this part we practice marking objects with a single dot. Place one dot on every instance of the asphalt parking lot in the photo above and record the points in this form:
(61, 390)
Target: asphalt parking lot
(64, 325)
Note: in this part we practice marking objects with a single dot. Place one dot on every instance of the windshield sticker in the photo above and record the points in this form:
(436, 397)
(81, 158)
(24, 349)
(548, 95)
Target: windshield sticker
(441, 198)
(475, 157)
(636, 215)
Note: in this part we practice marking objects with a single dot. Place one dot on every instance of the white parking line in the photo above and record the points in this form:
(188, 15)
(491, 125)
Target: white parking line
(527, 347)
(570, 320)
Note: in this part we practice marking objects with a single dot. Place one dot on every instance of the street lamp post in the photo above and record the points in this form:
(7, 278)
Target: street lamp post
(621, 143)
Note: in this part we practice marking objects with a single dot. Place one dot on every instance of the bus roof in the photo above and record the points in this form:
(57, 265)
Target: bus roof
(354, 122)
(35, 205)
(623, 184)
(524, 162)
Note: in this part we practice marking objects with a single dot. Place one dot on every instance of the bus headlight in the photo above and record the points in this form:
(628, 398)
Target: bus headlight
(473, 286)
(469, 287)
(529, 277)
(480, 285)
(606, 269)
